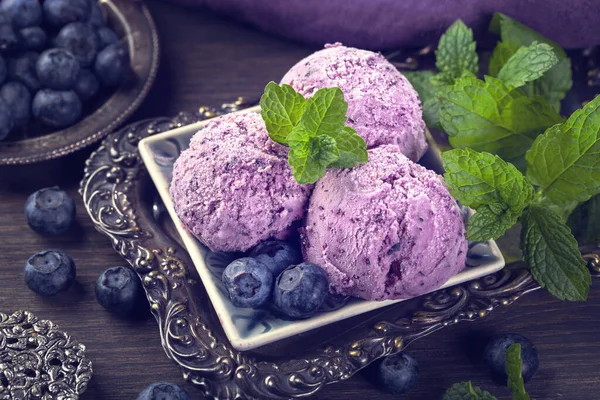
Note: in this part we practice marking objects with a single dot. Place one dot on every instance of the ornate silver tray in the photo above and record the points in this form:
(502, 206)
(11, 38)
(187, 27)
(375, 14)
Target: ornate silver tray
(123, 204)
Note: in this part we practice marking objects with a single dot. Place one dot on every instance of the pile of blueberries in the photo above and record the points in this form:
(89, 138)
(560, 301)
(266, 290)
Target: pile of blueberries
(55, 55)
(274, 277)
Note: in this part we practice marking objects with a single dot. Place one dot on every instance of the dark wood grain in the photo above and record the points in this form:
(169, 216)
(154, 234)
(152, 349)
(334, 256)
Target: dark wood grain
(209, 60)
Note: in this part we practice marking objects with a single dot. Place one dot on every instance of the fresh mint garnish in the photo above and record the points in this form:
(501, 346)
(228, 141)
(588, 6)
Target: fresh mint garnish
(564, 161)
(492, 117)
(553, 255)
(422, 82)
(514, 366)
(527, 64)
(456, 53)
(313, 129)
(466, 391)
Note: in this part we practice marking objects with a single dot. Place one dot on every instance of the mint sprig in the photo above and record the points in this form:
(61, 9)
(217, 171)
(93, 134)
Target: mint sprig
(514, 366)
(527, 64)
(313, 129)
(466, 391)
(456, 54)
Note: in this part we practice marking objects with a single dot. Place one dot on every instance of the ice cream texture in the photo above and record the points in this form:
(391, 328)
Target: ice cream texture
(387, 229)
(233, 187)
(383, 107)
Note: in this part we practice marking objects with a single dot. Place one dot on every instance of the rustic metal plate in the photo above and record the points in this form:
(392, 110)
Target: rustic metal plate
(124, 205)
(131, 19)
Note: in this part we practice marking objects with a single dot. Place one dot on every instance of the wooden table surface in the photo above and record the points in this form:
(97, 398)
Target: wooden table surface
(210, 60)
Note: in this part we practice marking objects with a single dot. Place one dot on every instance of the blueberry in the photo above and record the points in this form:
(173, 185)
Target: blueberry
(23, 13)
(112, 64)
(49, 272)
(50, 211)
(8, 38)
(58, 69)
(56, 109)
(276, 255)
(3, 70)
(300, 290)
(18, 98)
(22, 69)
(164, 391)
(119, 290)
(32, 38)
(6, 121)
(395, 374)
(96, 16)
(87, 85)
(249, 283)
(106, 36)
(81, 40)
(61, 12)
(494, 356)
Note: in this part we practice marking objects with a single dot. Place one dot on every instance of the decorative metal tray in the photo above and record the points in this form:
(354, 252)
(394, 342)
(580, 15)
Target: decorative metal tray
(124, 205)
(130, 19)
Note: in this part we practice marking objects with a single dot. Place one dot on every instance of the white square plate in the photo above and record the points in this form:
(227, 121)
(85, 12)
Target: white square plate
(247, 328)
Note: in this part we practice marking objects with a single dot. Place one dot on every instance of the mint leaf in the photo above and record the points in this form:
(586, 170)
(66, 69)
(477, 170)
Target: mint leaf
(352, 148)
(565, 160)
(553, 255)
(514, 366)
(310, 158)
(325, 112)
(493, 187)
(585, 221)
(489, 116)
(456, 51)
(281, 109)
(527, 64)
(421, 81)
(502, 53)
(555, 83)
(466, 391)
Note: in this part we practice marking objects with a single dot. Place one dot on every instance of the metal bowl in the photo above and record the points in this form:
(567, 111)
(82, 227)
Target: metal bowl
(131, 20)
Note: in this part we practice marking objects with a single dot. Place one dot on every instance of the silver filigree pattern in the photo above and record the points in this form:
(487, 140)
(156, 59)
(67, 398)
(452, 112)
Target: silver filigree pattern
(113, 188)
(38, 361)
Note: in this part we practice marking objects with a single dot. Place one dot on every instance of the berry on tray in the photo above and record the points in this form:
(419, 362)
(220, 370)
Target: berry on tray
(112, 64)
(277, 255)
(18, 98)
(494, 356)
(396, 374)
(56, 108)
(32, 38)
(96, 19)
(87, 85)
(58, 69)
(81, 40)
(61, 12)
(106, 36)
(6, 121)
(49, 272)
(300, 290)
(8, 37)
(119, 290)
(249, 282)
(50, 211)
(22, 13)
(164, 391)
(23, 69)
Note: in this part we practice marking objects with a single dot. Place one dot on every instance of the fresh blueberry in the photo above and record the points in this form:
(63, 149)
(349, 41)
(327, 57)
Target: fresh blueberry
(96, 16)
(8, 38)
(119, 290)
(87, 85)
(32, 38)
(22, 69)
(50, 211)
(18, 98)
(56, 109)
(6, 121)
(249, 283)
(164, 391)
(300, 290)
(23, 13)
(58, 69)
(81, 40)
(3, 70)
(494, 356)
(106, 36)
(277, 255)
(61, 12)
(49, 272)
(111, 64)
(395, 374)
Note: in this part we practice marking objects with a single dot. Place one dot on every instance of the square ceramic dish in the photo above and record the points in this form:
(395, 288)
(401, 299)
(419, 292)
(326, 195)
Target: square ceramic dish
(247, 328)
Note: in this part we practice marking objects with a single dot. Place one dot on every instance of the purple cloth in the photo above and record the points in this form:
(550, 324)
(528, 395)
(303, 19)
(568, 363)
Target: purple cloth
(386, 24)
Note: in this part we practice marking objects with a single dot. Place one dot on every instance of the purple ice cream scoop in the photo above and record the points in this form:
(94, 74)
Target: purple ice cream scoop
(387, 229)
(383, 106)
(233, 187)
